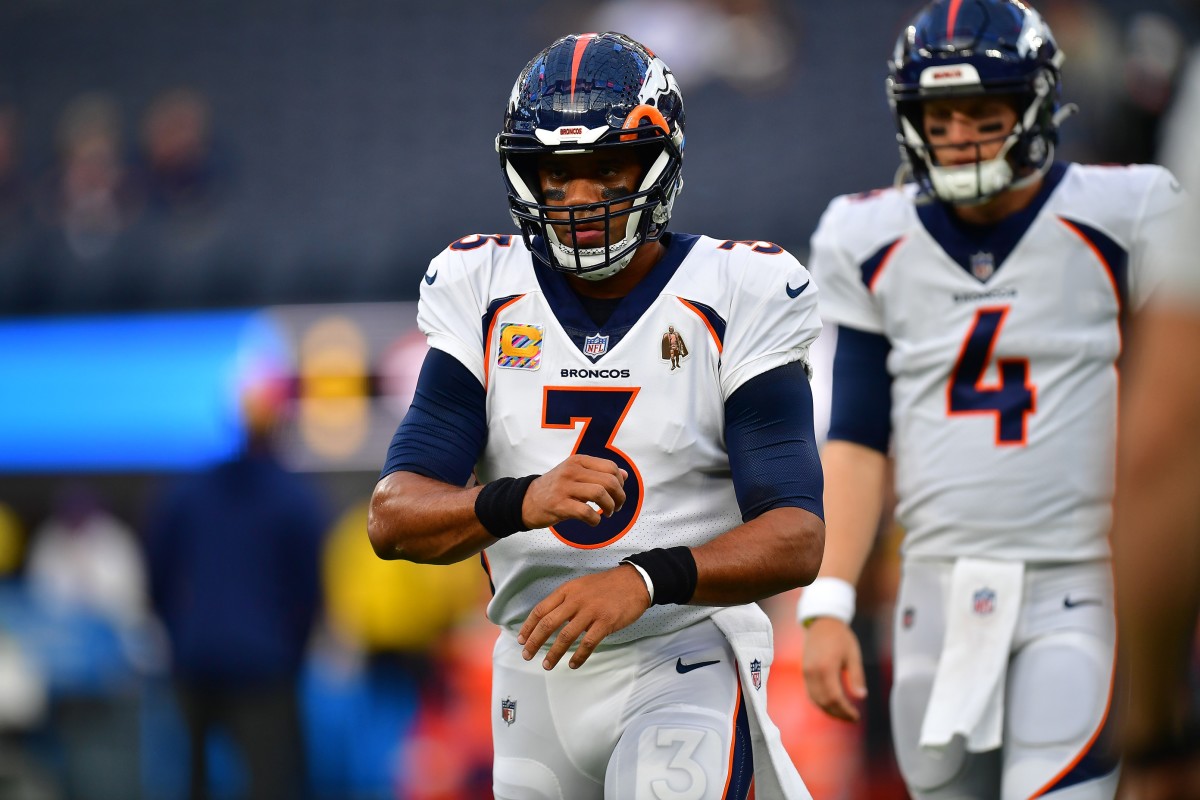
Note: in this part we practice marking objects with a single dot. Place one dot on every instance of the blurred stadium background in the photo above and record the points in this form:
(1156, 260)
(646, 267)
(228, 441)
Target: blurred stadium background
(195, 193)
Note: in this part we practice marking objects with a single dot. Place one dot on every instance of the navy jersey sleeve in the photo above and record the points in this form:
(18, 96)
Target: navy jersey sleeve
(862, 389)
(772, 448)
(445, 428)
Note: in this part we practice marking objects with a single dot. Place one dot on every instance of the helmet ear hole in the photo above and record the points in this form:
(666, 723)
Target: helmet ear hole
(526, 166)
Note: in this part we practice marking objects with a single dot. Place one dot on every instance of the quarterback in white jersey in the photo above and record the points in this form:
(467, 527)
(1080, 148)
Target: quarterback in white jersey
(979, 316)
(652, 389)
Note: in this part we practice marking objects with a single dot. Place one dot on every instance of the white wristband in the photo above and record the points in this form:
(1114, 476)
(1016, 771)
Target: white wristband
(645, 577)
(826, 597)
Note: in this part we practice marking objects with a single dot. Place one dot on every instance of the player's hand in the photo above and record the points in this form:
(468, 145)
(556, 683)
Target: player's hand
(830, 651)
(592, 606)
(566, 491)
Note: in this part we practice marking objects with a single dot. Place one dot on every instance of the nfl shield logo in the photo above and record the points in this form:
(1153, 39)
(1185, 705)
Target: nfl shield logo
(508, 710)
(595, 346)
(982, 265)
(985, 601)
(756, 673)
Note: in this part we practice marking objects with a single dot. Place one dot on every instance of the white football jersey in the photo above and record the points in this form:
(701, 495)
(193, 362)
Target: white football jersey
(1004, 380)
(646, 390)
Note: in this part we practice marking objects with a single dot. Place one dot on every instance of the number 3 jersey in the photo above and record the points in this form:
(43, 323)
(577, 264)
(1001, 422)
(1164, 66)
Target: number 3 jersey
(646, 390)
(1003, 353)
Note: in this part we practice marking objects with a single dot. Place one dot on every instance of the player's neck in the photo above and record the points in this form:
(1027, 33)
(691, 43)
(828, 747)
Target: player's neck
(623, 282)
(1000, 207)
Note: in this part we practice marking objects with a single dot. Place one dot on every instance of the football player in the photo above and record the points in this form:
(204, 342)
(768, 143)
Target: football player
(638, 495)
(979, 312)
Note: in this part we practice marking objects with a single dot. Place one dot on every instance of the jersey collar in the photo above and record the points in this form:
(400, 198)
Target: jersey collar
(574, 319)
(982, 249)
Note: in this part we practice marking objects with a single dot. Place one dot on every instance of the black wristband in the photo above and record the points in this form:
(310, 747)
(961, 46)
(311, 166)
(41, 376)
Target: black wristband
(498, 505)
(672, 571)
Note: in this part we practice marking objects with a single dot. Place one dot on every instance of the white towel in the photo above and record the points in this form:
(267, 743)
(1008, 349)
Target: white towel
(982, 607)
(749, 633)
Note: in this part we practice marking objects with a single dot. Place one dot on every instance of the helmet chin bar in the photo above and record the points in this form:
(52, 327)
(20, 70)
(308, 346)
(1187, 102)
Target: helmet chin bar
(593, 263)
(971, 184)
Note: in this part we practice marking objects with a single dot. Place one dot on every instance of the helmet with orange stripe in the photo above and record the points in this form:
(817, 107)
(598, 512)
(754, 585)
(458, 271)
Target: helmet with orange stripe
(582, 94)
(972, 48)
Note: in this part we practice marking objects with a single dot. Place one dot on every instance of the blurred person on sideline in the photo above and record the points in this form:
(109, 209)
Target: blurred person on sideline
(657, 495)
(979, 310)
(23, 683)
(86, 579)
(388, 621)
(1156, 527)
(234, 556)
(84, 557)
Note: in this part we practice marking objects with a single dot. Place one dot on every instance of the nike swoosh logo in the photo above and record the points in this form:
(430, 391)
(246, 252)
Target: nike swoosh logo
(682, 668)
(1087, 601)
(429, 279)
(794, 293)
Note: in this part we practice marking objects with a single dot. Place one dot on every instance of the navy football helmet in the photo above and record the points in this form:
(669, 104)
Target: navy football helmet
(584, 93)
(965, 48)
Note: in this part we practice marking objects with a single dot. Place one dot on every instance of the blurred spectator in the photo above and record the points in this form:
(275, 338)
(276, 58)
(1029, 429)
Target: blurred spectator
(746, 43)
(86, 258)
(185, 175)
(234, 556)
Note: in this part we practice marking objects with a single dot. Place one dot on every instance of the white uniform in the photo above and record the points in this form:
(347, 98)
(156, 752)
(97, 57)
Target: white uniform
(1027, 473)
(648, 391)
(1003, 418)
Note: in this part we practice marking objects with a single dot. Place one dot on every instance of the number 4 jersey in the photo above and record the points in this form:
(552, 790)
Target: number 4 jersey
(647, 390)
(1003, 354)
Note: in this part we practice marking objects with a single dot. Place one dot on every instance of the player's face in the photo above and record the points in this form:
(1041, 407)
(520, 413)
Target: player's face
(963, 130)
(586, 178)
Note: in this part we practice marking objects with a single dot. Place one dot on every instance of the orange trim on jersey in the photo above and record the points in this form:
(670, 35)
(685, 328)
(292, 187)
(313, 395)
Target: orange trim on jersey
(639, 113)
(952, 17)
(637, 511)
(581, 45)
(883, 262)
(733, 739)
(1112, 678)
(487, 342)
(711, 331)
(982, 386)
(1108, 270)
